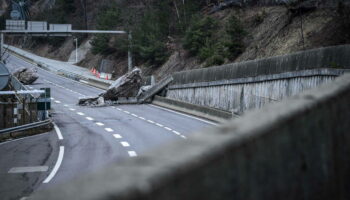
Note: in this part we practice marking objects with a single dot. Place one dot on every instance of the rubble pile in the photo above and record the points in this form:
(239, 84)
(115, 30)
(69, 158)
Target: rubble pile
(25, 75)
(127, 85)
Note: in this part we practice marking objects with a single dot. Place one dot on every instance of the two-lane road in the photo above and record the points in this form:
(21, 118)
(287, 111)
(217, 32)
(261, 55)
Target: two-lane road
(86, 138)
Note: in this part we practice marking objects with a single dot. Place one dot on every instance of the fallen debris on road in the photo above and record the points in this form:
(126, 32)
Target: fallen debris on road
(25, 75)
(126, 86)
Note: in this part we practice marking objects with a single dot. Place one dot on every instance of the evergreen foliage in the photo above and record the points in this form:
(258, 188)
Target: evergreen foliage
(236, 33)
(107, 18)
(198, 36)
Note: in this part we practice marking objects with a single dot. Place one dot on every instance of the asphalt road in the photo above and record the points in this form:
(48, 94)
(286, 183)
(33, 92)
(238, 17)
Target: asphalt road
(86, 139)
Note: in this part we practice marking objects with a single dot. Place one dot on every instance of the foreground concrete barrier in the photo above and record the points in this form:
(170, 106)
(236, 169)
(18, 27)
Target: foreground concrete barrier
(295, 149)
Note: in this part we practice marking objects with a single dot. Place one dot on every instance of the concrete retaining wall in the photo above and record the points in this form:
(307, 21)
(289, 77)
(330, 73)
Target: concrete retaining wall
(295, 149)
(240, 86)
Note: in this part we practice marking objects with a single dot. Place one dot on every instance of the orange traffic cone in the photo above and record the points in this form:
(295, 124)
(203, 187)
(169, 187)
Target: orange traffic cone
(98, 75)
(107, 77)
(94, 71)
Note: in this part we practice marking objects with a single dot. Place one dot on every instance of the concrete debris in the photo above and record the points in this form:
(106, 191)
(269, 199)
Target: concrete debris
(126, 86)
(144, 89)
(92, 101)
(25, 75)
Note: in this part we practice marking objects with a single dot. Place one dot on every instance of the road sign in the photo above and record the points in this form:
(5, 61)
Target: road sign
(61, 27)
(36, 26)
(15, 14)
(44, 102)
(15, 25)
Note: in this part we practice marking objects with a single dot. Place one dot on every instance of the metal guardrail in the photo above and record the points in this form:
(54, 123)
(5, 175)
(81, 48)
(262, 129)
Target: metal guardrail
(26, 127)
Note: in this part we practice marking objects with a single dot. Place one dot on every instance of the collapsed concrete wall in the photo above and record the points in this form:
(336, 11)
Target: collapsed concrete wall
(240, 86)
(295, 149)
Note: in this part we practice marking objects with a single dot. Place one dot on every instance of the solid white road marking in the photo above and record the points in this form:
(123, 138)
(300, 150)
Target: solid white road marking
(58, 131)
(99, 124)
(57, 165)
(89, 118)
(15, 170)
(132, 153)
(125, 144)
(208, 122)
(109, 129)
(80, 113)
(117, 136)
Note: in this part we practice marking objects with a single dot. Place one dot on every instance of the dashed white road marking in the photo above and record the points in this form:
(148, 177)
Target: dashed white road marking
(15, 170)
(150, 121)
(142, 118)
(134, 115)
(58, 131)
(57, 102)
(80, 113)
(57, 165)
(89, 118)
(167, 128)
(184, 137)
(119, 109)
(125, 144)
(177, 133)
(132, 153)
(52, 98)
(99, 124)
(160, 125)
(72, 109)
(109, 129)
(127, 112)
(117, 136)
(65, 105)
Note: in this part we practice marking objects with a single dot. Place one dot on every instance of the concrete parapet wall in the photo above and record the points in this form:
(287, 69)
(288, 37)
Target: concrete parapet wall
(295, 149)
(240, 86)
(329, 57)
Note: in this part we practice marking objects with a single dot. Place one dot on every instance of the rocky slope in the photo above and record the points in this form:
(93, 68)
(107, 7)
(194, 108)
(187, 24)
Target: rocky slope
(272, 30)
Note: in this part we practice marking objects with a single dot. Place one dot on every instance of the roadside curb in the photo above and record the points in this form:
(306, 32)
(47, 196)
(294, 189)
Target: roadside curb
(192, 109)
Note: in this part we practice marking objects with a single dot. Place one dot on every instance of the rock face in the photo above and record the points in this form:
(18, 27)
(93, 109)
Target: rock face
(127, 85)
(26, 76)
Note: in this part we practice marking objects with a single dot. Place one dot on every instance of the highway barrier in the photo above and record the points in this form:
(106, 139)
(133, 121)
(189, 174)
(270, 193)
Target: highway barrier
(294, 149)
(238, 87)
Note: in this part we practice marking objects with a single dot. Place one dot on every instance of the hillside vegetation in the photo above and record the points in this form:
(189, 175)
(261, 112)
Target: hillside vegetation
(173, 35)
